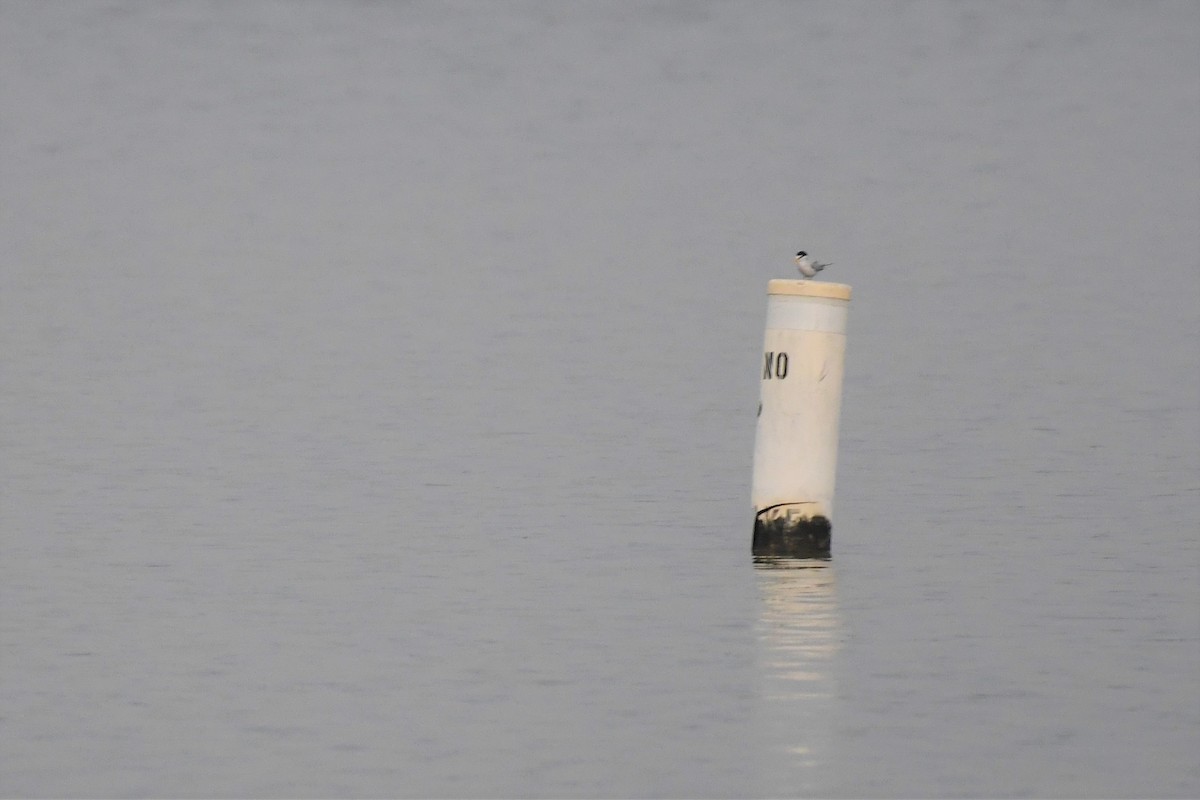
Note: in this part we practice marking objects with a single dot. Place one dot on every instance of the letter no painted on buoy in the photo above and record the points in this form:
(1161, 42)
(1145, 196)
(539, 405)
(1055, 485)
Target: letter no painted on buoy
(796, 444)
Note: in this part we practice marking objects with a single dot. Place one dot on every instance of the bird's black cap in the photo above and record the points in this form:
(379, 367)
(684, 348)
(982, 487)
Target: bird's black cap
(801, 254)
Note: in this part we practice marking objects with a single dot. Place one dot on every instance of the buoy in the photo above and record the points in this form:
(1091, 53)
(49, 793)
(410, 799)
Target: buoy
(800, 404)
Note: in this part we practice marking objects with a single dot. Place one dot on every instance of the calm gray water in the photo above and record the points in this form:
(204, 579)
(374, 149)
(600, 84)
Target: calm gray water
(378, 389)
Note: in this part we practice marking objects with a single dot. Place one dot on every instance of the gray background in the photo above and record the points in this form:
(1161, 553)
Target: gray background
(378, 389)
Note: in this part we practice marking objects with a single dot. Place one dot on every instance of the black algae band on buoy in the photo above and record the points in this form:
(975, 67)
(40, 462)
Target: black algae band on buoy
(796, 444)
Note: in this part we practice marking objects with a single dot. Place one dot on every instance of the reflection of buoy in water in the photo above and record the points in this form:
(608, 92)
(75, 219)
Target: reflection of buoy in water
(800, 636)
(795, 448)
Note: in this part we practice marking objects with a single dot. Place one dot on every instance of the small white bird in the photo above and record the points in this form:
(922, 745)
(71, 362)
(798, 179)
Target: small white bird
(809, 267)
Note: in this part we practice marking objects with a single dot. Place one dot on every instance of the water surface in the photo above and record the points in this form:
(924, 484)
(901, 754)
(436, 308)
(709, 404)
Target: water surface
(379, 386)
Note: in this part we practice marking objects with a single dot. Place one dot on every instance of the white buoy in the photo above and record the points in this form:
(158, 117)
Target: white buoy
(796, 445)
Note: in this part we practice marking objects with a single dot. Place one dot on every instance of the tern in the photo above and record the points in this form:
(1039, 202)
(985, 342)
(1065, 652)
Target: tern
(809, 267)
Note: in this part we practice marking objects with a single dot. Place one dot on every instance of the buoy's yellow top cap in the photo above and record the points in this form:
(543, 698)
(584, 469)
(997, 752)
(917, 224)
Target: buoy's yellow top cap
(834, 291)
